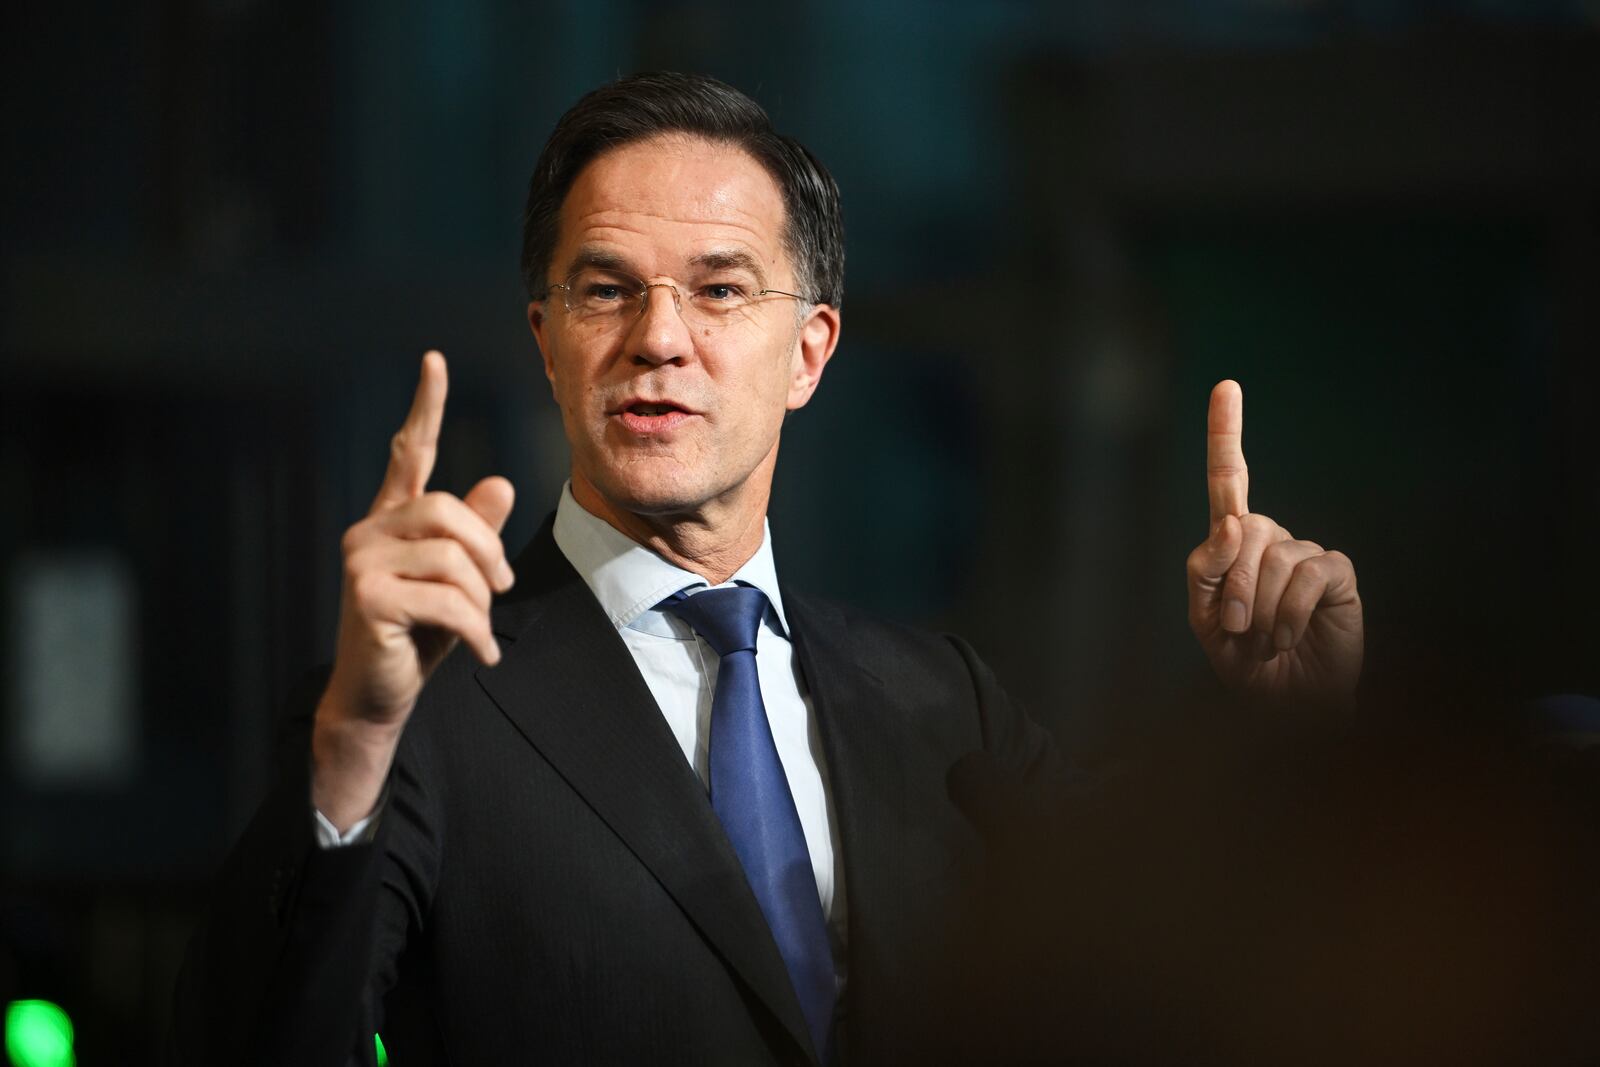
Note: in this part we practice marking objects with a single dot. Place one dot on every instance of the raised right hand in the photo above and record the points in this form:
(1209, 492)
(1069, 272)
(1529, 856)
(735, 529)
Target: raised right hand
(1275, 615)
(419, 574)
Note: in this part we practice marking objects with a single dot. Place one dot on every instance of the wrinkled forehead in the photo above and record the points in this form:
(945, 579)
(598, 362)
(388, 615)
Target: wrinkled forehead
(662, 203)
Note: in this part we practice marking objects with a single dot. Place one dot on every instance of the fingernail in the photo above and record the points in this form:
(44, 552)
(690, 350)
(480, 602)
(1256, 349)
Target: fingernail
(1233, 616)
(1283, 637)
(504, 576)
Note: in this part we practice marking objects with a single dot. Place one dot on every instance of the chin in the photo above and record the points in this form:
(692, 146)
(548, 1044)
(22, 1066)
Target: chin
(655, 488)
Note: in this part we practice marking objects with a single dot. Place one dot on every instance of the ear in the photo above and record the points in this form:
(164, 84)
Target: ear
(539, 324)
(813, 347)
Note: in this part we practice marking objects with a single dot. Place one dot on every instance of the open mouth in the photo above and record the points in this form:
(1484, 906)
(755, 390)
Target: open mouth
(652, 416)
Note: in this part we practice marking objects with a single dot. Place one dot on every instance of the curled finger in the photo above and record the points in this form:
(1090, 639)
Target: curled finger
(447, 608)
(1277, 567)
(1322, 578)
(434, 559)
(439, 514)
(1239, 590)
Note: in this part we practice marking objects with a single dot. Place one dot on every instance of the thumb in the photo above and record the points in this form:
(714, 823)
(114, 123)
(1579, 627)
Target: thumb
(492, 499)
(1210, 562)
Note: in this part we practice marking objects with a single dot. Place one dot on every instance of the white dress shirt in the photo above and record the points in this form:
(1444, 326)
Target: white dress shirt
(629, 581)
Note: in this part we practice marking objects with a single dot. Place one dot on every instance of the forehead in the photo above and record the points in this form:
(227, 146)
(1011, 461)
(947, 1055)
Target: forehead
(660, 202)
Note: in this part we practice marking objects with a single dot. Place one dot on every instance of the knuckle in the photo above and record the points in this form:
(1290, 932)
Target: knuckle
(351, 540)
(1242, 575)
(451, 611)
(365, 589)
(1262, 528)
(480, 544)
(1304, 590)
(357, 561)
(1314, 569)
(457, 559)
(469, 579)
(406, 450)
(435, 507)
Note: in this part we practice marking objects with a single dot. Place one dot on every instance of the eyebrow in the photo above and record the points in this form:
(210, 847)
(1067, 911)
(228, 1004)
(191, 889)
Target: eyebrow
(597, 258)
(730, 259)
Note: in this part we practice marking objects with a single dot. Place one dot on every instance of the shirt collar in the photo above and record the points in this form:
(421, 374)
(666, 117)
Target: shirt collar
(629, 580)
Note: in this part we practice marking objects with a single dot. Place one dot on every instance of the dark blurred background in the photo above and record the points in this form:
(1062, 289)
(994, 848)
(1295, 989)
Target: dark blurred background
(231, 228)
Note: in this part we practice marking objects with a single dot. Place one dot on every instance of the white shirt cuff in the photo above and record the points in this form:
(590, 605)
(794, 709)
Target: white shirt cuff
(328, 835)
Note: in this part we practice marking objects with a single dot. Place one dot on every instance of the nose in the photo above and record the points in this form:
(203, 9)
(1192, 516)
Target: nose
(659, 335)
(677, 301)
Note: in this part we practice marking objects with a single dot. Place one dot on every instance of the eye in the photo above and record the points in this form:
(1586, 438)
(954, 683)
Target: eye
(600, 291)
(607, 292)
(725, 292)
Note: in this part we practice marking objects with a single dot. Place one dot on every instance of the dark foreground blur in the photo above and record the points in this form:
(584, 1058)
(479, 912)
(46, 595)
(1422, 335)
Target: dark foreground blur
(1414, 885)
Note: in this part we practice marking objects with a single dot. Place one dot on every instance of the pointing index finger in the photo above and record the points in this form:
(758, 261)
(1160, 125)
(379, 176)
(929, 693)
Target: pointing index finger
(412, 451)
(1227, 477)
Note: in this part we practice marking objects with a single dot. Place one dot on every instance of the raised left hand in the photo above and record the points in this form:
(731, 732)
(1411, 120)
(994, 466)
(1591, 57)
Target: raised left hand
(1275, 615)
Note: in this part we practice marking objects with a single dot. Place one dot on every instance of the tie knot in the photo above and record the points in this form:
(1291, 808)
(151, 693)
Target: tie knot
(727, 618)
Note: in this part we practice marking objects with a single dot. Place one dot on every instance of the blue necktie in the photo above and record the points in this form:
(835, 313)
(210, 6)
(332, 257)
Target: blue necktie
(750, 795)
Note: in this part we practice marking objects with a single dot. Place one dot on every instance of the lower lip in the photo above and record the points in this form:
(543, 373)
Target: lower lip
(646, 425)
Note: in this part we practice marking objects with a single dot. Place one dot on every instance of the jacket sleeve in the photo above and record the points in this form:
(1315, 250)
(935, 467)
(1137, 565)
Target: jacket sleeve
(1020, 772)
(291, 961)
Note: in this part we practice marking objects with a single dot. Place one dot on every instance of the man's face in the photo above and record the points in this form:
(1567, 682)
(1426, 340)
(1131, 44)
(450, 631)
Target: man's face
(666, 417)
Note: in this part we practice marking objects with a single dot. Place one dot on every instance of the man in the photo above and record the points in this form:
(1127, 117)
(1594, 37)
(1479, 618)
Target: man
(513, 854)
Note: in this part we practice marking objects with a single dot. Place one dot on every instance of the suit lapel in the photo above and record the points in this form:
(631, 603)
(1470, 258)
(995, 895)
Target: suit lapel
(569, 685)
(866, 780)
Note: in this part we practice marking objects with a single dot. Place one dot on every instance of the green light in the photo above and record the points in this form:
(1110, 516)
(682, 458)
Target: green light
(38, 1034)
(383, 1056)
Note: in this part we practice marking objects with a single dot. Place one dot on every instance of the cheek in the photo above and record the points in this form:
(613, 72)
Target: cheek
(768, 398)
(778, 373)
(561, 387)
(574, 381)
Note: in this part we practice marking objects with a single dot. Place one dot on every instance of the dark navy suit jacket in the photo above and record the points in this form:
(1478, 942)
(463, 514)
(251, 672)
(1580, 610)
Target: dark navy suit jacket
(549, 883)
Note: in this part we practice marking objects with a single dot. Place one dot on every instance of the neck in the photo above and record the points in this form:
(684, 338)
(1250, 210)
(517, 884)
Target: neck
(713, 540)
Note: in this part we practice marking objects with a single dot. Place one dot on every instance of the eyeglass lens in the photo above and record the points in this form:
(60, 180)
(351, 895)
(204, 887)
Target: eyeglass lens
(600, 296)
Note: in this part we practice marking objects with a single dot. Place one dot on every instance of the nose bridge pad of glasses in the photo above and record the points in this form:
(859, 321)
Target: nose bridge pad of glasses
(644, 296)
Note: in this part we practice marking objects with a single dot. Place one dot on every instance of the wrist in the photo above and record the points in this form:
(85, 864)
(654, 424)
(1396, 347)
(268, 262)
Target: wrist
(350, 761)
